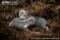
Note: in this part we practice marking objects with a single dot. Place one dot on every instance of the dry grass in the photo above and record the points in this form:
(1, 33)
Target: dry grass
(51, 12)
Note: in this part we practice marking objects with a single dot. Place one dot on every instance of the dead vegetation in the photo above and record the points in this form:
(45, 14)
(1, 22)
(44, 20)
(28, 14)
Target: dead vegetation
(50, 10)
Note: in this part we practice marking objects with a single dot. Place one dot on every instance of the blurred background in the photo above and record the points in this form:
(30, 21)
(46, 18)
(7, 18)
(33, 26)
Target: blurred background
(48, 9)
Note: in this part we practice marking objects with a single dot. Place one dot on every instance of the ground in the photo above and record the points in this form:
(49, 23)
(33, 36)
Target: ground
(50, 10)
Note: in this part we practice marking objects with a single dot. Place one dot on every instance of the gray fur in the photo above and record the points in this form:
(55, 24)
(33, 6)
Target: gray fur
(41, 22)
(24, 20)
(22, 23)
